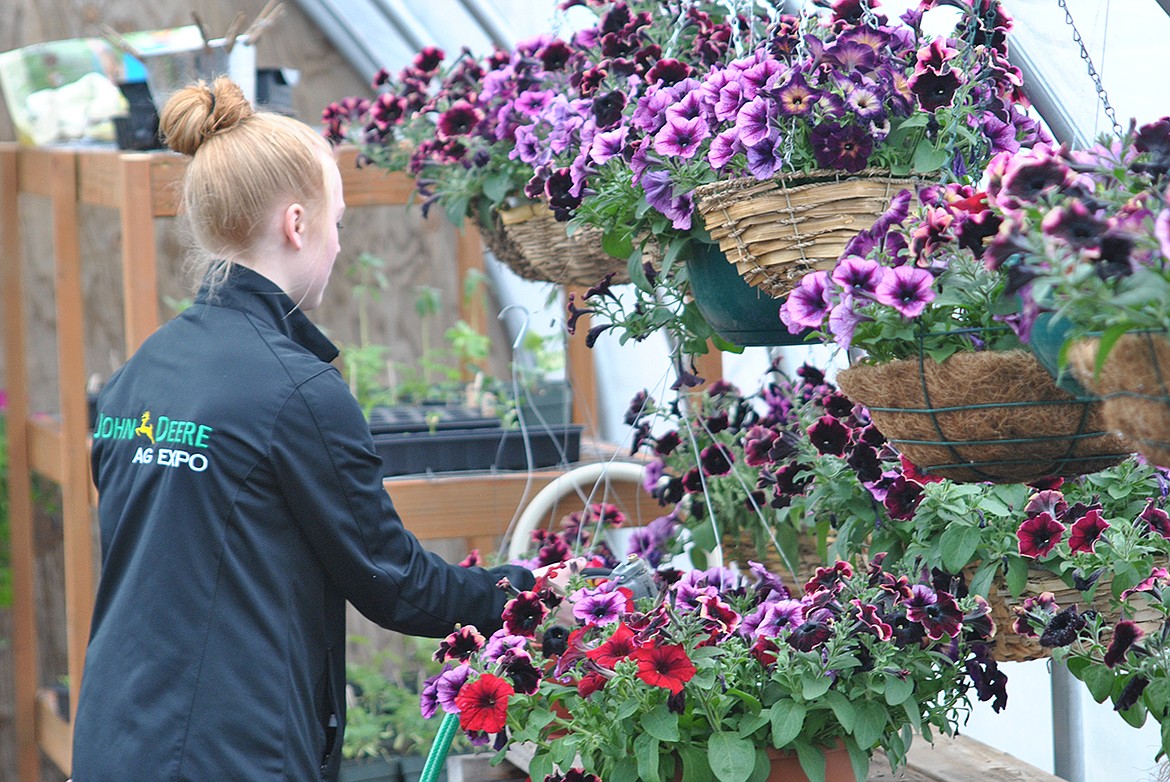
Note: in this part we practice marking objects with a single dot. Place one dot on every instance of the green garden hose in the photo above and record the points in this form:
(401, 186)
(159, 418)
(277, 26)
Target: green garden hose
(442, 744)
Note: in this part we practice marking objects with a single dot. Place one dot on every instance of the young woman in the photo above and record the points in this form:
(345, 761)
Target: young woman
(241, 499)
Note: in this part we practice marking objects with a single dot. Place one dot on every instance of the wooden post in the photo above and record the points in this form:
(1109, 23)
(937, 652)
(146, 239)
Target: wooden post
(139, 267)
(24, 623)
(76, 513)
(468, 256)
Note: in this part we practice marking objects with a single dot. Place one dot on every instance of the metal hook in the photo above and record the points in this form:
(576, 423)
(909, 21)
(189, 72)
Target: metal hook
(516, 343)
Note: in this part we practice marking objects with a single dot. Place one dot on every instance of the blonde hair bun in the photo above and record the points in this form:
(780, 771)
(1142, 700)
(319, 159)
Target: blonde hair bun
(199, 111)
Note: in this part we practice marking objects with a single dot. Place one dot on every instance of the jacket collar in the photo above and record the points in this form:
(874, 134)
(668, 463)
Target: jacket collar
(251, 292)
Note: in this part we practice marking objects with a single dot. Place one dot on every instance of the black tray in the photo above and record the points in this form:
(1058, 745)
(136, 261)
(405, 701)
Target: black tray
(455, 450)
(413, 418)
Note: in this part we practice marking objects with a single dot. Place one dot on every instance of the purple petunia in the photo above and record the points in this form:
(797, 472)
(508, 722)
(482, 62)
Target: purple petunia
(841, 147)
(681, 137)
(907, 289)
(753, 121)
(808, 304)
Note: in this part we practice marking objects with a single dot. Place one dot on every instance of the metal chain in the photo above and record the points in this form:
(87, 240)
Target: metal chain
(1101, 95)
(868, 17)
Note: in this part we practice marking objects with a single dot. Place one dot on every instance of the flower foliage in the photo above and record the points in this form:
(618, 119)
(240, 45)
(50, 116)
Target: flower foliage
(779, 468)
(1102, 531)
(715, 668)
(1086, 233)
(843, 91)
(1124, 661)
(913, 283)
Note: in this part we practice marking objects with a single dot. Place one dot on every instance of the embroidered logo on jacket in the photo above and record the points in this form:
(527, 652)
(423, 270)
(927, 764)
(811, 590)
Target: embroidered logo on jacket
(164, 430)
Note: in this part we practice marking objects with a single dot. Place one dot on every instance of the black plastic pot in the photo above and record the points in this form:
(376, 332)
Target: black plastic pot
(371, 770)
(739, 312)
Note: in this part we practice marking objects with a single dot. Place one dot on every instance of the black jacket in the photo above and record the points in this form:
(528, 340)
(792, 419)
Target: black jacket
(241, 504)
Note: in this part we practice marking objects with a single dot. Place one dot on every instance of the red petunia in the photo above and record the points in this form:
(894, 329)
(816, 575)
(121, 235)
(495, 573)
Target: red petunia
(1039, 535)
(619, 646)
(1087, 530)
(664, 666)
(483, 704)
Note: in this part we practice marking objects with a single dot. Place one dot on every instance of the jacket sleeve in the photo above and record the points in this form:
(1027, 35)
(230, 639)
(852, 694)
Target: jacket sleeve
(331, 476)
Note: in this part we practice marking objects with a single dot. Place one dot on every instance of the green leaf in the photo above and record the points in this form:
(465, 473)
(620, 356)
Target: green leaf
(732, 758)
(871, 723)
(695, 767)
(814, 685)
(787, 722)
(626, 770)
(1135, 715)
(1099, 680)
(1157, 698)
(812, 761)
(842, 709)
(858, 758)
(497, 186)
(981, 582)
(618, 244)
(637, 273)
(959, 542)
(928, 157)
(1016, 575)
(753, 704)
(541, 765)
(646, 753)
(898, 689)
(1108, 339)
(661, 723)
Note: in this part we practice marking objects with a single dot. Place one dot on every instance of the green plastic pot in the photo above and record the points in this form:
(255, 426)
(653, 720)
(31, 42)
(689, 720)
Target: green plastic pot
(1047, 338)
(740, 313)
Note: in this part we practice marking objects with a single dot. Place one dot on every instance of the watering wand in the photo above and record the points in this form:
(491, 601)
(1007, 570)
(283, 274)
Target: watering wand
(635, 574)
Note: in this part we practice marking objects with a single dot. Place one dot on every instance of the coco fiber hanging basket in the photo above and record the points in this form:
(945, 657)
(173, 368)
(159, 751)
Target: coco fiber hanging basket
(552, 254)
(1134, 385)
(985, 416)
(504, 249)
(777, 230)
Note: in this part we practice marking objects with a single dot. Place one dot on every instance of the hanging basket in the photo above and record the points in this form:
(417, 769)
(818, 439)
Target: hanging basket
(504, 249)
(741, 314)
(552, 254)
(777, 230)
(987, 416)
(1134, 385)
(1011, 646)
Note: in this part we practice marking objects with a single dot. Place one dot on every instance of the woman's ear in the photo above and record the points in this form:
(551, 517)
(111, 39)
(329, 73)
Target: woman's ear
(292, 225)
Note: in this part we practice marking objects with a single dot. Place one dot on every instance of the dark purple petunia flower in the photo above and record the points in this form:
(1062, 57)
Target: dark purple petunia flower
(865, 462)
(1039, 535)
(935, 89)
(845, 148)
(1125, 635)
(524, 613)
(1156, 519)
(459, 120)
(809, 635)
(763, 159)
(1086, 531)
(757, 446)
(937, 612)
(1028, 178)
(847, 56)
(1062, 629)
(1154, 138)
(907, 289)
(902, 498)
(715, 459)
(1049, 501)
(668, 71)
(554, 55)
(1131, 693)
(1073, 224)
(607, 108)
(829, 435)
(459, 645)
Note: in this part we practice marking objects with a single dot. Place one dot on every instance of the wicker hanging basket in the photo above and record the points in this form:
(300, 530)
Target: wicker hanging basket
(987, 416)
(552, 254)
(777, 230)
(1134, 385)
(503, 248)
(1011, 646)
